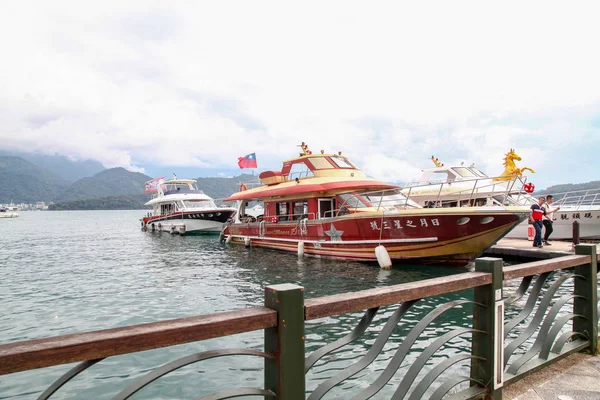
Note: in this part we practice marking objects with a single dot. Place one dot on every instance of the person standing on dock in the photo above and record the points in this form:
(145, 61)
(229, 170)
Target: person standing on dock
(549, 218)
(537, 213)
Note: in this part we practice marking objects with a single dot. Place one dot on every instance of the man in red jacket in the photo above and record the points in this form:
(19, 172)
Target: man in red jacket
(537, 213)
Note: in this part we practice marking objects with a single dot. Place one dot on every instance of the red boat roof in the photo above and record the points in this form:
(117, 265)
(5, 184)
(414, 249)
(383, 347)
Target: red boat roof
(311, 175)
(311, 186)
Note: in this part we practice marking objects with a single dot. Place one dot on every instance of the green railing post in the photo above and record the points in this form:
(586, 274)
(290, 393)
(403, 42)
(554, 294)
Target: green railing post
(487, 348)
(587, 288)
(284, 375)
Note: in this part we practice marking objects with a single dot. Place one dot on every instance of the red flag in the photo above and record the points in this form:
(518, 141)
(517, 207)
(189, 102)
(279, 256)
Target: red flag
(151, 185)
(249, 161)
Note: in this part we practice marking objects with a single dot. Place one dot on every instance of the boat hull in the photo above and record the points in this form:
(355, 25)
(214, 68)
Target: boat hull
(189, 222)
(8, 215)
(425, 236)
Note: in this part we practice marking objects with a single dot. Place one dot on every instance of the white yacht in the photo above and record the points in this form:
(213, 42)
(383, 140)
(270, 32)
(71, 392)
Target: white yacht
(179, 207)
(457, 186)
(5, 214)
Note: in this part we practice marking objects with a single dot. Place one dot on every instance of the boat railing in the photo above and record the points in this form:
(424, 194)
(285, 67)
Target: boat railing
(181, 189)
(300, 175)
(468, 191)
(292, 217)
(250, 185)
(578, 198)
(376, 200)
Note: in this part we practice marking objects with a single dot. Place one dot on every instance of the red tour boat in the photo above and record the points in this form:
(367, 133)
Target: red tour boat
(322, 205)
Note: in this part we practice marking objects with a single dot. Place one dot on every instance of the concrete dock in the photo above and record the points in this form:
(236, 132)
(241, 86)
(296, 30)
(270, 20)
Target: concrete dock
(576, 377)
(522, 248)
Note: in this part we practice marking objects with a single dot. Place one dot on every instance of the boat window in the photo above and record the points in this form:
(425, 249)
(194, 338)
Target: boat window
(320, 163)
(465, 172)
(281, 210)
(167, 209)
(326, 209)
(299, 170)
(256, 209)
(441, 176)
(198, 204)
(351, 200)
(342, 162)
(300, 209)
(478, 172)
(390, 198)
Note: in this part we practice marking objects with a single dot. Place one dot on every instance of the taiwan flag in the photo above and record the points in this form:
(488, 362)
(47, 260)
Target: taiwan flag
(249, 161)
(151, 186)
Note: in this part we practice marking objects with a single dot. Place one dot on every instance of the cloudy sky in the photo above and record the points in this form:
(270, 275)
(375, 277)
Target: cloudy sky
(191, 86)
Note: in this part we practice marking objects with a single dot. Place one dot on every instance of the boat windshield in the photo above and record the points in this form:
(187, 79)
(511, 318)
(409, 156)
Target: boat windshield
(478, 172)
(440, 177)
(198, 204)
(299, 170)
(465, 172)
(514, 199)
(320, 163)
(390, 198)
(386, 199)
(341, 162)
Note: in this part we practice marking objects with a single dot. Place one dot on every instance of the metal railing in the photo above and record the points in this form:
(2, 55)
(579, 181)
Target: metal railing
(494, 357)
(500, 193)
(578, 198)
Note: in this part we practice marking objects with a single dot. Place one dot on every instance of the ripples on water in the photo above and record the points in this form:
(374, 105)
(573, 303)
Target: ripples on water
(67, 272)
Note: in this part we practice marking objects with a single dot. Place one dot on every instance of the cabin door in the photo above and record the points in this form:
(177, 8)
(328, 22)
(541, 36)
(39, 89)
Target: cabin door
(326, 208)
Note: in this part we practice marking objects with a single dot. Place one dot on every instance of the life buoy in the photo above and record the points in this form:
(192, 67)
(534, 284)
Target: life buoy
(243, 187)
(275, 219)
(529, 187)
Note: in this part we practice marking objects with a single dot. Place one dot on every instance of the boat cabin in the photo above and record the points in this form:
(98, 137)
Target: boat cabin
(316, 186)
(462, 186)
(448, 174)
(179, 195)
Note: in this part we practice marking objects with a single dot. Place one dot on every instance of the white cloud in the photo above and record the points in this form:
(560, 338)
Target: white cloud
(389, 84)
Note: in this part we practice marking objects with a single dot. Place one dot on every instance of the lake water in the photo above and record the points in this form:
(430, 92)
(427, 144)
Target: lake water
(67, 272)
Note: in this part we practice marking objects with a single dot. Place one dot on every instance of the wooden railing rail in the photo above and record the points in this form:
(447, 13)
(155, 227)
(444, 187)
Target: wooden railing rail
(358, 301)
(31, 354)
(539, 267)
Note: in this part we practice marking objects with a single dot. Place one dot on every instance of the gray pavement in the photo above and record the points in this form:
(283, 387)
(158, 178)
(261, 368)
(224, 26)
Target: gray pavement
(577, 377)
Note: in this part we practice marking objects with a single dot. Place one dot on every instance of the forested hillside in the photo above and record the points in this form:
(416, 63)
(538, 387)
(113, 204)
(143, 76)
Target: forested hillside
(130, 202)
(110, 182)
(568, 187)
(88, 195)
(23, 182)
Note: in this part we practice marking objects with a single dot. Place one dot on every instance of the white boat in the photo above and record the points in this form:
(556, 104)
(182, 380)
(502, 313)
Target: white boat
(456, 186)
(5, 214)
(179, 207)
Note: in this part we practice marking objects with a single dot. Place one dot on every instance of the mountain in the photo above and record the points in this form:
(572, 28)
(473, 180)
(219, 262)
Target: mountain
(124, 202)
(60, 165)
(110, 182)
(125, 190)
(568, 187)
(220, 188)
(24, 182)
